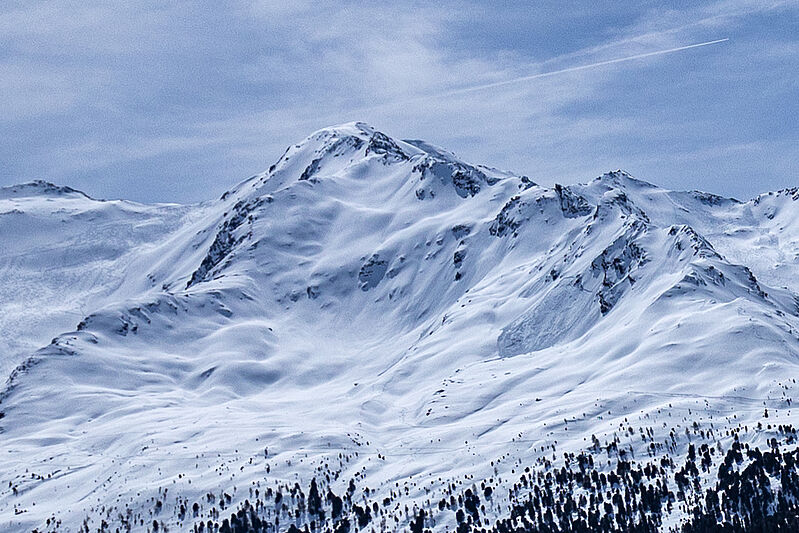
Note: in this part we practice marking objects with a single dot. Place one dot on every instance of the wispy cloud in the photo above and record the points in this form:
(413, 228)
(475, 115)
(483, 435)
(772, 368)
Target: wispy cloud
(190, 96)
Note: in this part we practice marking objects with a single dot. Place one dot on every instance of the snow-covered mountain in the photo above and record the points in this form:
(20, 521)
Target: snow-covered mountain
(376, 335)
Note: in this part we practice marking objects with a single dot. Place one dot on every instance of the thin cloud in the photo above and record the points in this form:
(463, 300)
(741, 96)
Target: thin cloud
(208, 95)
(517, 80)
(597, 64)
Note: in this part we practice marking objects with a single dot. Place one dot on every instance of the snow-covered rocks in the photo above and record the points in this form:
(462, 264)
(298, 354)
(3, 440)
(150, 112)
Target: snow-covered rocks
(396, 325)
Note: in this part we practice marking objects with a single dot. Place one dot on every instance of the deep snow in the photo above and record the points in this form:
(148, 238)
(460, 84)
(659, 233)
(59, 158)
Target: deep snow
(380, 296)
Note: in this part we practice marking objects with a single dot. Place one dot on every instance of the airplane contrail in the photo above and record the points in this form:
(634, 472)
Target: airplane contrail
(575, 69)
(474, 88)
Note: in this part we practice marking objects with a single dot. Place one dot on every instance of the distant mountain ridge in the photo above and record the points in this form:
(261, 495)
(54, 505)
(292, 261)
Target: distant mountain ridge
(403, 328)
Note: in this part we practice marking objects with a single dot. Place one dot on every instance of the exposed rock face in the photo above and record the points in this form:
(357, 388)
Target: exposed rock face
(234, 230)
(506, 222)
(372, 272)
(571, 204)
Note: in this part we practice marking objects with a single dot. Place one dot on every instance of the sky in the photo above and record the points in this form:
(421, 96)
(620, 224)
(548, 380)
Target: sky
(177, 101)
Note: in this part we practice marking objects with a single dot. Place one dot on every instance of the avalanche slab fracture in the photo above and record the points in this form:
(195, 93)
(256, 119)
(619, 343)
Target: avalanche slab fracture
(374, 335)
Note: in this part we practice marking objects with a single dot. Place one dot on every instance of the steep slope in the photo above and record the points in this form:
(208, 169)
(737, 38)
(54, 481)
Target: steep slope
(65, 254)
(381, 317)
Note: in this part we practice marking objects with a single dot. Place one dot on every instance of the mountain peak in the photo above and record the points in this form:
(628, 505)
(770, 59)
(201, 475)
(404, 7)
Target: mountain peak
(354, 128)
(622, 179)
(356, 134)
(39, 188)
(352, 149)
(354, 139)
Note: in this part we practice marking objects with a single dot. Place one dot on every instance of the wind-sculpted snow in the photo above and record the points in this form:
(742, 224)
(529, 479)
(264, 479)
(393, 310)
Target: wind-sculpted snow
(374, 335)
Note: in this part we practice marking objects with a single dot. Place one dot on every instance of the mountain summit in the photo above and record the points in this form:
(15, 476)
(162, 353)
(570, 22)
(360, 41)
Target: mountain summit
(376, 335)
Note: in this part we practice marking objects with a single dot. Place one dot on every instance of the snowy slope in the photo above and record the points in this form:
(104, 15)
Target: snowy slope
(65, 254)
(379, 311)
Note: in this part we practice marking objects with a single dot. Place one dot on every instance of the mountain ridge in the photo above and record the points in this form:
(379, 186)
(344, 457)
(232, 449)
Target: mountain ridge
(381, 295)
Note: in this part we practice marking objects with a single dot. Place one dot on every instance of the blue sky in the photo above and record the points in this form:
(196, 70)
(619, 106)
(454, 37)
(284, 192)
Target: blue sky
(178, 101)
